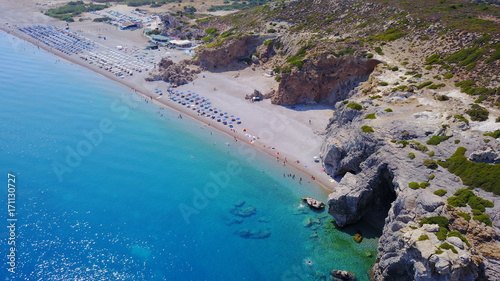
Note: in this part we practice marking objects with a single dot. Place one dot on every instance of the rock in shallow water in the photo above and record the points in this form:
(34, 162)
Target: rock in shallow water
(253, 234)
(244, 212)
(343, 274)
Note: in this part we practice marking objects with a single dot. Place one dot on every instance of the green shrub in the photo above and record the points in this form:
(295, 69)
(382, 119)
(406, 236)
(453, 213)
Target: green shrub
(484, 218)
(476, 212)
(433, 59)
(395, 68)
(481, 98)
(271, 30)
(277, 78)
(448, 76)
(414, 185)
(403, 142)
(432, 176)
(388, 110)
(437, 86)
(424, 184)
(460, 55)
(418, 75)
(211, 31)
(459, 235)
(497, 120)
(466, 216)
(430, 164)
(456, 201)
(474, 175)
(457, 141)
(435, 140)
(464, 193)
(393, 141)
(479, 203)
(367, 129)
(73, 8)
(379, 51)
(495, 134)
(423, 85)
(431, 154)
(423, 237)
(447, 246)
(383, 83)
(461, 118)
(345, 101)
(441, 235)
(440, 192)
(439, 252)
(477, 113)
(411, 155)
(439, 220)
(370, 116)
(422, 148)
(355, 106)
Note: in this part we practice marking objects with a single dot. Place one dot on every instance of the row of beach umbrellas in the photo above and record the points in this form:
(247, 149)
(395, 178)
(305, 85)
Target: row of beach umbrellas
(202, 106)
(60, 39)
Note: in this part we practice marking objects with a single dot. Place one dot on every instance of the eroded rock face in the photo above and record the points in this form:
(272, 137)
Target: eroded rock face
(486, 156)
(323, 78)
(376, 187)
(176, 74)
(231, 51)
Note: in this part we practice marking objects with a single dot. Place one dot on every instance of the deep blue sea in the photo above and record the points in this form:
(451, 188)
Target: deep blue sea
(108, 189)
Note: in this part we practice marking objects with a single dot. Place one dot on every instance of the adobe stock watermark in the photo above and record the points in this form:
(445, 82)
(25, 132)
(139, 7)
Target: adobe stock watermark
(93, 138)
(222, 179)
(12, 259)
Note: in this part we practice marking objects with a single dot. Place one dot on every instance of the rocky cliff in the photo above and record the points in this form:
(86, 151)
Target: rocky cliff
(223, 52)
(323, 78)
(378, 166)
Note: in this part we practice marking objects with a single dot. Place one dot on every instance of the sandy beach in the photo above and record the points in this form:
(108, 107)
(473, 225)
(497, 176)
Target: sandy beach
(292, 136)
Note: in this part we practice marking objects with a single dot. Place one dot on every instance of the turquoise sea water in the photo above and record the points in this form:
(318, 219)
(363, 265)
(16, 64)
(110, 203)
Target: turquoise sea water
(108, 189)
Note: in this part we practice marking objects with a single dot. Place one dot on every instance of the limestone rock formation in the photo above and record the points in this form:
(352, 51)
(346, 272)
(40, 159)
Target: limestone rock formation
(323, 78)
(313, 203)
(176, 74)
(486, 156)
(343, 274)
(230, 51)
(375, 186)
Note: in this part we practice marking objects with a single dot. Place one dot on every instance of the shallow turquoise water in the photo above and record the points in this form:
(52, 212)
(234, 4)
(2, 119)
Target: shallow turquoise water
(148, 197)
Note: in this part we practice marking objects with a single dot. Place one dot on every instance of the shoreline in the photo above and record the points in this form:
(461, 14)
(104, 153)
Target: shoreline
(140, 89)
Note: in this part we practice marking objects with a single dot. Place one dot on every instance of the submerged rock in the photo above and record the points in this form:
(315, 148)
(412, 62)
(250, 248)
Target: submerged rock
(358, 237)
(253, 234)
(241, 211)
(343, 274)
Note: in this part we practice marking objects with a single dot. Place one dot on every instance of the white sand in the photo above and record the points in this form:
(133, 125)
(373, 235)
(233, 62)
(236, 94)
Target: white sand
(282, 132)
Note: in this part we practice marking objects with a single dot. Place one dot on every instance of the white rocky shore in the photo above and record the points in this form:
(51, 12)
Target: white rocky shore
(377, 168)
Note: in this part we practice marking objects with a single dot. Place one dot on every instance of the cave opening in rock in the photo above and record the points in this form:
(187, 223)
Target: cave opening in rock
(385, 194)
